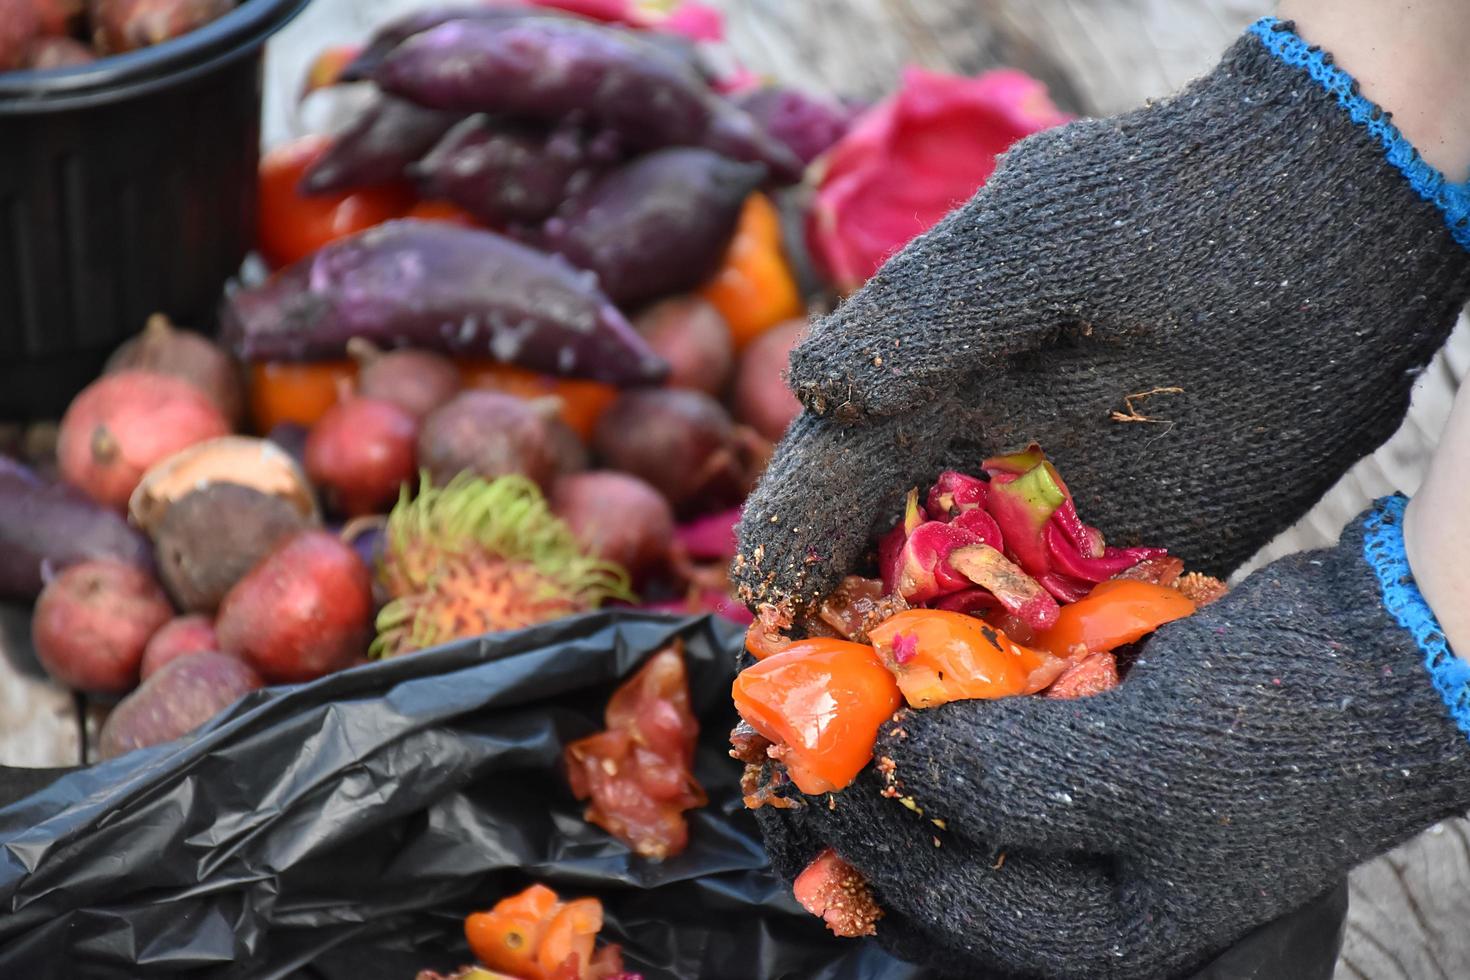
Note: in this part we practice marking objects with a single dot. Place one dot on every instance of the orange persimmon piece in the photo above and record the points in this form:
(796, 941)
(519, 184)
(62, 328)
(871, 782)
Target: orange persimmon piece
(754, 288)
(582, 401)
(295, 391)
(442, 211)
(821, 705)
(1114, 613)
(566, 946)
(508, 937)
(940, 656)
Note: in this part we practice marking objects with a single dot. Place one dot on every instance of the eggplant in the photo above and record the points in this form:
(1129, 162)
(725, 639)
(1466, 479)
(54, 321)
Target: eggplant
(45, 527)
(656, 226)
(378, 145)
(438, 286)
(554, 69)
(503, 173)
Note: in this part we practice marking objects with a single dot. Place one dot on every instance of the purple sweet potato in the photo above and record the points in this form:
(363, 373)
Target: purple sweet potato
(655, 226)
(551, 68)
(805, 122)
(395, 32)
(433, 285)
(51, 526)
(179, 698)
(504, 173)
(377, 147)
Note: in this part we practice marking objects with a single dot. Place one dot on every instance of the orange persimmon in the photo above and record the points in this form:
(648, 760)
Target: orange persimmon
(582, 402)
(821, 704)
(292, 225)
(570, 936)
(442, 211)
(510, 935)
(1114, 613)
(295, 391)
(755, 288)
(940, 656)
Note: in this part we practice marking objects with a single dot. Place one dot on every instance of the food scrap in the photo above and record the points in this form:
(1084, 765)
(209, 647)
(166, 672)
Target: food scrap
(638, 773)
(534, 935)
(991, 586)
(835, 891)
(820, 703)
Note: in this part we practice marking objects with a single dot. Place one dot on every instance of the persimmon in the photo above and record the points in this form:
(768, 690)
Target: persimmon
(820, 702)
(582, 401)
(295, 391)
(939, 656)
(1114, 613)
(755, 289)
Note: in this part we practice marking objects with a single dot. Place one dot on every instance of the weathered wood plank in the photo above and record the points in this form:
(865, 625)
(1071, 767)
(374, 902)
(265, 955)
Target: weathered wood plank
(39, 726)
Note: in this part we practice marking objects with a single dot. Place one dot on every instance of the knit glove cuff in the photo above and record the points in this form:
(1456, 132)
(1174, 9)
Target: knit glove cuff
(1453, 200)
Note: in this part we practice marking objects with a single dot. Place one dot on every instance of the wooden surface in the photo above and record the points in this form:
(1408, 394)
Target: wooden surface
(1098, 56)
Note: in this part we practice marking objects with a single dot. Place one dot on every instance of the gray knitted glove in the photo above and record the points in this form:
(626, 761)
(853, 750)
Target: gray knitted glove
(1263, 252)
(1256, 752)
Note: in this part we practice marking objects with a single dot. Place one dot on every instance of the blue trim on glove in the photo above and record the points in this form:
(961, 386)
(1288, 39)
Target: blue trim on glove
(1427, 182)
(1383, 548)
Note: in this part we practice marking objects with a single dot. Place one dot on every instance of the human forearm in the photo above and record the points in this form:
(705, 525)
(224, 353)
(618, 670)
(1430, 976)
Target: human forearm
(1409, 57)
(1437, 530)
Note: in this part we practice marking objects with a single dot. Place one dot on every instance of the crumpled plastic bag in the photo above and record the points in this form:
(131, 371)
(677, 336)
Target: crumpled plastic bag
(340, 830)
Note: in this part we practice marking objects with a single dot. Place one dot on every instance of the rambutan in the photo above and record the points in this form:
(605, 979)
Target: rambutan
(477, 556)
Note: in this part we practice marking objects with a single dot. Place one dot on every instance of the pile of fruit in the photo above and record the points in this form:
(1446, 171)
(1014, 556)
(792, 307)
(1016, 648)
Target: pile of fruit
(520, 355)
(44, 34)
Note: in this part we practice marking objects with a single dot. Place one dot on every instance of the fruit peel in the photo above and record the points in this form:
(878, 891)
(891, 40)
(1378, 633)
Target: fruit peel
(474, 556)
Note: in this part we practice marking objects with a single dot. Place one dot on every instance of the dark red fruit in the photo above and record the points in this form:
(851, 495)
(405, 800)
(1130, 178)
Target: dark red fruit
(417, 381)
(618, 517)
(360, 453)
(93, 622)
(179, 637)
(304, 611)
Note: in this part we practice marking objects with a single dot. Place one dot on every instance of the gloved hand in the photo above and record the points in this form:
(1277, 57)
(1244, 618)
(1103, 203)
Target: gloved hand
(1246, 251)
(1256, 752)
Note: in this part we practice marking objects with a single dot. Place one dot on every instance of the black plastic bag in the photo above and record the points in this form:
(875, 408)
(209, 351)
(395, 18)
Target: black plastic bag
(340, 830)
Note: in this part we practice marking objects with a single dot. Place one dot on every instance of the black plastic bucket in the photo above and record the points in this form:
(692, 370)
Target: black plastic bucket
(127, 187)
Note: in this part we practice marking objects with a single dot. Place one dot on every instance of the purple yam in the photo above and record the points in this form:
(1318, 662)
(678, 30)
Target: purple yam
(656, 226)
(437, 286)
(504, 174)
(400, 29)
(45, 527)
(806, 122)
(395, 32)
(387, 136)
(550, 69)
